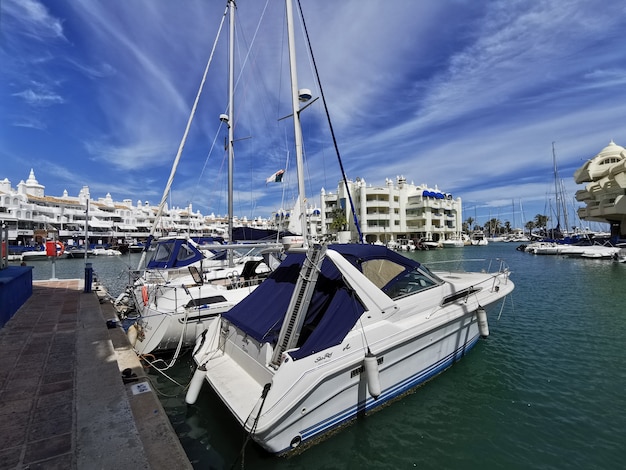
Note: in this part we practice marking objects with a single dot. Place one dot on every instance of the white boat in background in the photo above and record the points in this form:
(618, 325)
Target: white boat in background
(453, 243)
(590, 251)
(431, 245)
(56, 249)
(478, 238)
(393, 245)
(542, 248)
(78, 252)
(102, 251)
(404, 244)
(573, 250)
(336, 331)
(184, 287)
(34, 255)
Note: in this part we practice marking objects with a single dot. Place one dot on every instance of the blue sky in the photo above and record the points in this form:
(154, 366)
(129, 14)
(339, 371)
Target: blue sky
(467, 96)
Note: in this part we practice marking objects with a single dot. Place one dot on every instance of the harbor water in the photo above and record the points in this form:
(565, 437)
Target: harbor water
(546, 390)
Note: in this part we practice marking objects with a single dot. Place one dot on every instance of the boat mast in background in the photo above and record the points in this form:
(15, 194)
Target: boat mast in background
(559, 197)
(170, 180)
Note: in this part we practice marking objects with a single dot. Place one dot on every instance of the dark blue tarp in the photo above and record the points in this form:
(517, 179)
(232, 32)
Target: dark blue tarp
(174, 253)
(333, 310)
(256, 234)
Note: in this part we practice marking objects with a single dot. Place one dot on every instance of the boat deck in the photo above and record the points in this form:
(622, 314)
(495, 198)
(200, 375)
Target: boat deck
(238, 389)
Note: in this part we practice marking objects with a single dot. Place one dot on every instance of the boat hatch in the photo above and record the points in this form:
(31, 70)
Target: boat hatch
(195, 274)
(214, 299)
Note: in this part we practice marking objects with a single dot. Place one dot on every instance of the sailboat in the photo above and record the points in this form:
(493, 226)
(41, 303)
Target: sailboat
(185, 286)
(337, 331)
(560, 241)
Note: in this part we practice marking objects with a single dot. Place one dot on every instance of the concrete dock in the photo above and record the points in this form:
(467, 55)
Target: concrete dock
(63, 401)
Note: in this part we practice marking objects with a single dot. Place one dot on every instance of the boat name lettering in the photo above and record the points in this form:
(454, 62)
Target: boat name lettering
(324, 357)
(346, 347)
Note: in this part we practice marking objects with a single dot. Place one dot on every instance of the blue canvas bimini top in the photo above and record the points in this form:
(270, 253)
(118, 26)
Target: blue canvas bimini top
(334, 308)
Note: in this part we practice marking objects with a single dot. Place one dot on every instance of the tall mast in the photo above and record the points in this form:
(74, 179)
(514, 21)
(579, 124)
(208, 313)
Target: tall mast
(180, 148)
(556, 189)
(231, 123)
(296, 122)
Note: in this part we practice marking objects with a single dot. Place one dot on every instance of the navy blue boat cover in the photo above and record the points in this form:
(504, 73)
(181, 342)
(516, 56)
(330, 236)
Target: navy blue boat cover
(334, 308)
(174, 253)
(257, 234)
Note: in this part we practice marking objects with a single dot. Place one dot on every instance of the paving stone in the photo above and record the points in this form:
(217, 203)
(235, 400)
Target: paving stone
(48, 448)
(55, 348)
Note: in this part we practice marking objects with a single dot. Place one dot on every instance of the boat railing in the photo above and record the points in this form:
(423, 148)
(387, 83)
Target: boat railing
(459, 264)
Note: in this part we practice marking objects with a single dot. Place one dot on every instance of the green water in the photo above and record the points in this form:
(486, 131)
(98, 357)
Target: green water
(546, 390)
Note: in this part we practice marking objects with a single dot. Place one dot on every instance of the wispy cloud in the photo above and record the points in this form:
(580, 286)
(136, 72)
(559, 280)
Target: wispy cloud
(31, 18)
(39, 97)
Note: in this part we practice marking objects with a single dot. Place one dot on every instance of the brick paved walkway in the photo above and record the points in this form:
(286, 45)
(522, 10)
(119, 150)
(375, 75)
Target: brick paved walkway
(37, 379)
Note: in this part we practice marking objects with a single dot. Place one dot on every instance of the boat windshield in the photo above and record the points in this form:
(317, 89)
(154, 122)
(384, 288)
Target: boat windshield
(411, 282)
(163, 252)
(381, 271)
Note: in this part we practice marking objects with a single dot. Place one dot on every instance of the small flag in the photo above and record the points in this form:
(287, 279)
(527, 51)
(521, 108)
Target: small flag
(276, 177)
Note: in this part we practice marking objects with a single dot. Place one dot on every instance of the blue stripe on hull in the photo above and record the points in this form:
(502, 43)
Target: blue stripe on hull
(388, 394)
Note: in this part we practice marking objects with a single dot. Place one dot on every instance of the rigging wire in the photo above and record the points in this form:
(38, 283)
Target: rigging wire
(181, 146)
(244, 62)
(332, 132)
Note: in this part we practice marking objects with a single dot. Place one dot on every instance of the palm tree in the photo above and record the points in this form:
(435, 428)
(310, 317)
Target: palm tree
(494, 226)
(530, 225)
(541, 221)
(339, 220)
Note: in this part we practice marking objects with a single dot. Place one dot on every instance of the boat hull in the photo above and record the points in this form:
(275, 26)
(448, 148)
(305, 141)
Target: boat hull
(402, 369)
(169, 322)
(313, 396)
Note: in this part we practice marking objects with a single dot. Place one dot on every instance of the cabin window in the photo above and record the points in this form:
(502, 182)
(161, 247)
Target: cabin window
(185, 253)
(163, 252)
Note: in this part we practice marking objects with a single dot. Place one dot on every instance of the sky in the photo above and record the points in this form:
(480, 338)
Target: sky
(467, 97)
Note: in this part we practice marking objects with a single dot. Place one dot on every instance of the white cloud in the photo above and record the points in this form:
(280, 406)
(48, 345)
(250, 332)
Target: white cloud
(39, 98)
(31, 18)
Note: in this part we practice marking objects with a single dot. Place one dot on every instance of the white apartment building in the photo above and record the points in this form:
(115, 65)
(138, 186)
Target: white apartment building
(604, 194)
(32, 217)
(395, 211)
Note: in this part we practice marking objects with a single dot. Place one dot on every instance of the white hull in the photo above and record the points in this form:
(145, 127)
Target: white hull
(341, 392)
(574, 251)
(173, 320)
(453, 244)
(34, 256)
